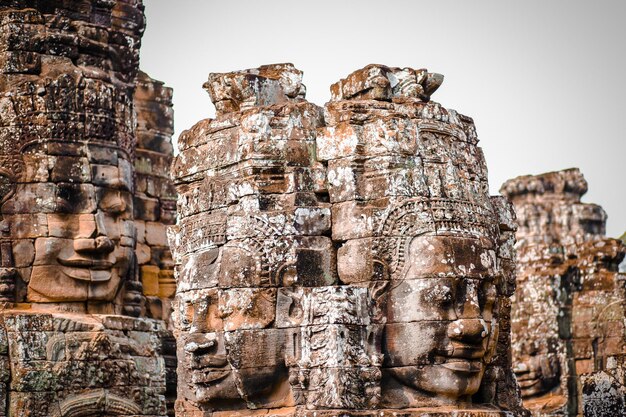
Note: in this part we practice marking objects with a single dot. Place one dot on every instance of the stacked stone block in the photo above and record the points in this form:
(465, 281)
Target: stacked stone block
(105, 365)
(154, 203)
(251, 222)
(154, 200)
(402, 169)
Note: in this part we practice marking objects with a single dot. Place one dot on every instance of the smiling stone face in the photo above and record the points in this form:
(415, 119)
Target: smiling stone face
(446, 294)
(569, 295)
(76, 221)
(69, 281)
(249, 225)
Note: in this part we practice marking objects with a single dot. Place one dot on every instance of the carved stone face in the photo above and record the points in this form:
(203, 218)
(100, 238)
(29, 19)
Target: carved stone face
(76, 215)
(536, 347)
(440, 321)
(226, 366)
(230, 351)
(538, 371)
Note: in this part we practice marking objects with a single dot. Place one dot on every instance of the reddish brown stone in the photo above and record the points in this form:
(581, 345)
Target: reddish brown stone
(568, 313)
(354, 265)
(68, 271)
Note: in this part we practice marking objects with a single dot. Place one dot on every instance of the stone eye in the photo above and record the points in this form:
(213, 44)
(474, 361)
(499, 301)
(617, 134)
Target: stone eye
(112, 201)
(487, 295)
(440, 295)
(67, 199)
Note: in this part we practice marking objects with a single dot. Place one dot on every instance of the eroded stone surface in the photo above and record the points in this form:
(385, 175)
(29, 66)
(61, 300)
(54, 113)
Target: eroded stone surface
(340, 261)
(75, 189)
(568, 311)
(154, 202)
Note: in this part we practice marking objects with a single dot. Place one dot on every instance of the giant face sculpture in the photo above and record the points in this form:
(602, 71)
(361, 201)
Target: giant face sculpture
(67, 235)
(70, 216)
(538, 371)
(408, 187)
(246, 206)
(568, 294)
(446, 295)
(77, 219)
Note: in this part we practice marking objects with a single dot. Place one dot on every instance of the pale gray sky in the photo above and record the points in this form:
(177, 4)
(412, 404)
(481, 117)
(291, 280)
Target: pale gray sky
(544, 80)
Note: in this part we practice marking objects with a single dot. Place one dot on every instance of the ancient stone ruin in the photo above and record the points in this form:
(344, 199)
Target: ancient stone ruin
(79, 224)
(155, 196)
(568, 313)
(344, 260)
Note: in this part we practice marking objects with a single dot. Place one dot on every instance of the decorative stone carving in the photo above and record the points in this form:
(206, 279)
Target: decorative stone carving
(68, 218)
(345, 260)
(568, 313)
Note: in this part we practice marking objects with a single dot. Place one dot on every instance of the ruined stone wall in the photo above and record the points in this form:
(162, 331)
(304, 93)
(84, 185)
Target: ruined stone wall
(345, 260)
(568, 312)
(68, 229)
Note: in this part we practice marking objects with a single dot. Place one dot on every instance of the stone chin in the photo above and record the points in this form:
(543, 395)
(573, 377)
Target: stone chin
(224, 388)
(217, 387)
(71, 282)
(453, 378)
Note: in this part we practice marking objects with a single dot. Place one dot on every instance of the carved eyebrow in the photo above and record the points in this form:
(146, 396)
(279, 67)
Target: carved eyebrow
(116, 206)
(116, 184)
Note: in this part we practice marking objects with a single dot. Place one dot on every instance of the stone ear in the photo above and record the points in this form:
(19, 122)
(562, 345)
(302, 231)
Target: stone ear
(8, 274)
(134, 299)
(7, 187)
(8, 277)
(377, 290)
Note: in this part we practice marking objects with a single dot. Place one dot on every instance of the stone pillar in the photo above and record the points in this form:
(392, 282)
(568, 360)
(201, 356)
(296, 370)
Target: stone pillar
(346, 262)
(154, 204)
(568, 313)
(68, 268)
(253, 227)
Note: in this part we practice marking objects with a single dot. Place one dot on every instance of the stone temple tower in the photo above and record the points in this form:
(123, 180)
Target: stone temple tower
(569, 309)
(77, 337)
(345, 260)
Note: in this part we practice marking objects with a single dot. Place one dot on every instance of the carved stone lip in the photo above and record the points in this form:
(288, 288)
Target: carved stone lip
(463, 351)
(212, 377)
(528, 381)
(215, 362)
(459, 365)
(87, 274)
(82, 262)
(526, 375)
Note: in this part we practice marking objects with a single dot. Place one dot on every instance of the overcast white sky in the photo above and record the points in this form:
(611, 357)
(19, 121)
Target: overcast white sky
(544, 80)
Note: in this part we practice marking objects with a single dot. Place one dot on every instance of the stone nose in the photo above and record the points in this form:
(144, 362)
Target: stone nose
(521, 369)
(468, 330)
(469, 307)
(100, 245)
